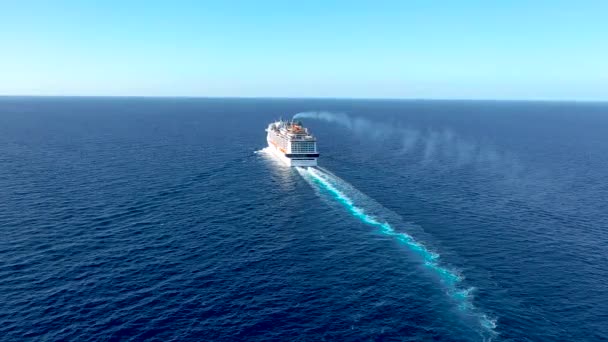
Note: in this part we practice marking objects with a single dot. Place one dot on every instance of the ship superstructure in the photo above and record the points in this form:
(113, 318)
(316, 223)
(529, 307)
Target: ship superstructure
(291, 142)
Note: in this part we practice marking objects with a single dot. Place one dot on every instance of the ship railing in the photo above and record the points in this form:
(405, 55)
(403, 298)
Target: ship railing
(302, 138)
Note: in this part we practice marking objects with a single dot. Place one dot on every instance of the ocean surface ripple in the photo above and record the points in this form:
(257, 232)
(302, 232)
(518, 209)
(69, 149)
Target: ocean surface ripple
(138, 219)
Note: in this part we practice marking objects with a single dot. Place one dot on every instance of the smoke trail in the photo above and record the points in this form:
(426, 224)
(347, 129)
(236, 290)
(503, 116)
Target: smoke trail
(370, 212)
(430, 146)
(358, 125)
(339, 118)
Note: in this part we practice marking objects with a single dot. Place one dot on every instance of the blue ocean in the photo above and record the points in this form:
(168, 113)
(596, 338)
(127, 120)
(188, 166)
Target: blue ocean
(166, 219)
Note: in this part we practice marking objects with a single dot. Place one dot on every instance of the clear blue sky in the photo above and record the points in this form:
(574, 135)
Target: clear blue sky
(532, 49)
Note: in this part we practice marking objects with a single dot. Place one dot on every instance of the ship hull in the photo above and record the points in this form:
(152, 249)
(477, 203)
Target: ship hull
(295, 161)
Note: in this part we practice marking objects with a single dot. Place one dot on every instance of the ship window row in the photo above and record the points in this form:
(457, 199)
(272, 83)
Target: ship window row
(280, 141)
(303, 147)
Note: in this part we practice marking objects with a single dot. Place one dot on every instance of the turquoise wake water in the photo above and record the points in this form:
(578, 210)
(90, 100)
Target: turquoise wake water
(358, 204)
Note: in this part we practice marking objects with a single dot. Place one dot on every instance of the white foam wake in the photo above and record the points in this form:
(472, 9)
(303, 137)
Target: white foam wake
(372, 213)
(264, 150)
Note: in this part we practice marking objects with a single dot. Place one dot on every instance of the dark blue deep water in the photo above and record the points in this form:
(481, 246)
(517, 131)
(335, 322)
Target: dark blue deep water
(164, 219)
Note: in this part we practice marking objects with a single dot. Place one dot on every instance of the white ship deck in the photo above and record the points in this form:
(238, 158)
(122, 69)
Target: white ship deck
(292, 143)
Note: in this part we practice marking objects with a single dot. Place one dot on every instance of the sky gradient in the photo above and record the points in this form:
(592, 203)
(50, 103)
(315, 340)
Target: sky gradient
(556, 50)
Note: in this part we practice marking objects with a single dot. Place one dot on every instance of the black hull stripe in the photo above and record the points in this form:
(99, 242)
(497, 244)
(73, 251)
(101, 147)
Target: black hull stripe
(301, 155)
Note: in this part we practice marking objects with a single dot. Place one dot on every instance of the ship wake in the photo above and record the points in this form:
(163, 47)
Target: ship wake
(265, 150)
(388, 223)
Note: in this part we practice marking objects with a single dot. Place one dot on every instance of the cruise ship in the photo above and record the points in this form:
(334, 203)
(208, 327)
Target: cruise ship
(292, 143)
